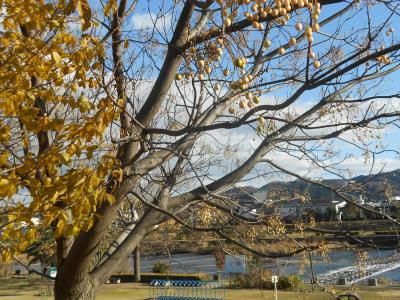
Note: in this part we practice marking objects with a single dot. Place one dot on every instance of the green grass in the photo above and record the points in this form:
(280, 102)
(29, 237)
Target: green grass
(31, 288)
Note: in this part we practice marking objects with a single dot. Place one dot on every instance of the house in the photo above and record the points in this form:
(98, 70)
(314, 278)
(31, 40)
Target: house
(298, 208)
(383, 206)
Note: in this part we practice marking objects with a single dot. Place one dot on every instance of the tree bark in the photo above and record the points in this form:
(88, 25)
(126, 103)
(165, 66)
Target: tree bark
(74, 287)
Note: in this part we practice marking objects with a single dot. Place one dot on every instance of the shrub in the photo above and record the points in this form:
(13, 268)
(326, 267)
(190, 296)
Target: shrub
(5, 269)
(201, 276)
(160, 267)
(384, 281)
(289, 282)
(262, 279)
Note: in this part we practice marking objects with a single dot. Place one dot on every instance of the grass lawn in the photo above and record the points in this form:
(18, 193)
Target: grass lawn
(33, 289)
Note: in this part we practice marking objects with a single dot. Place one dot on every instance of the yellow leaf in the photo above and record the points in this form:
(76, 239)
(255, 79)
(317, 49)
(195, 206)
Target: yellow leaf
(75, 230)
(6, 255)
(60, 228)
(52, 169)
(4, 187)
(88, 224)
(25, 142)
(4, 158)
(52, 196)
(47, 182)
(95, 181)
(20, 95)
(72, 149)
(30, 235)
(65, 158)
(118, 174)
(23, 245)
(5, 134)
(72, 230)
(121, 103)
(85, 13)
(110, 198)
(85, 208)
(74, 87)
(126, 44)
(84, 104)
(110, 6)
(55, 23)
(56, 57)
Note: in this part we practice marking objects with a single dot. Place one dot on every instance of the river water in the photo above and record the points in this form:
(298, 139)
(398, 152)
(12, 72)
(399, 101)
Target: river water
(193, 263)
(337, 260)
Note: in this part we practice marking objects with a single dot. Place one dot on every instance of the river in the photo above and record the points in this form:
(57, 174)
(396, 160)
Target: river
(193, 263)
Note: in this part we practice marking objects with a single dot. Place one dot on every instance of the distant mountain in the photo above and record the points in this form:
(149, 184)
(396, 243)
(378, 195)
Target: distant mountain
(241, 192)
(371, 187)
(375, 184)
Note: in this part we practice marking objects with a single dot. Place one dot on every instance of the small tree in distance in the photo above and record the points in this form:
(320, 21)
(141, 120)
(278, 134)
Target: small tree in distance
(219, 256)
(161, 267)
(127, 114)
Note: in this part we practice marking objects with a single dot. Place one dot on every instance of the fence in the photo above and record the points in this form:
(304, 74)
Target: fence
(186, 290)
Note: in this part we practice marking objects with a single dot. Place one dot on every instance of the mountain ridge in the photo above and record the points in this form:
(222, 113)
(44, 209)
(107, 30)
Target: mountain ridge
(372, 187)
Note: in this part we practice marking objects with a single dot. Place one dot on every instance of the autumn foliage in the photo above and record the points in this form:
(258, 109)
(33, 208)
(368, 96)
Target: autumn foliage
(45, 65)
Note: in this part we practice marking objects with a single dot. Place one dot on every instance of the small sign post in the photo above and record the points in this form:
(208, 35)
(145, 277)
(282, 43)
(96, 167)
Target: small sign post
(274, 280)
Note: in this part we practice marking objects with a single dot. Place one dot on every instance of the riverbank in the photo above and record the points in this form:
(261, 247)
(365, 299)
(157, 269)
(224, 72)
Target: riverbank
(34, 288)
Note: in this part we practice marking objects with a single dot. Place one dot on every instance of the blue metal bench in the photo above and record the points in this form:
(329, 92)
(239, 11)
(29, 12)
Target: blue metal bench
(186, 290)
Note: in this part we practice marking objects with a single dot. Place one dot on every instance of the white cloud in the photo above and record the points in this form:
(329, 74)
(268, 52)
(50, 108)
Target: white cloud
(142, 21)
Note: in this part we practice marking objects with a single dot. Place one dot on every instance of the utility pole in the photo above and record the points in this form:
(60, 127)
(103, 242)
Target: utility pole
(136, 264)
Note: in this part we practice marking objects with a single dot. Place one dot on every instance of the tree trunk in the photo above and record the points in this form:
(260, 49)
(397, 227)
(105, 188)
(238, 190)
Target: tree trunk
(136, 264)
(76, 288)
